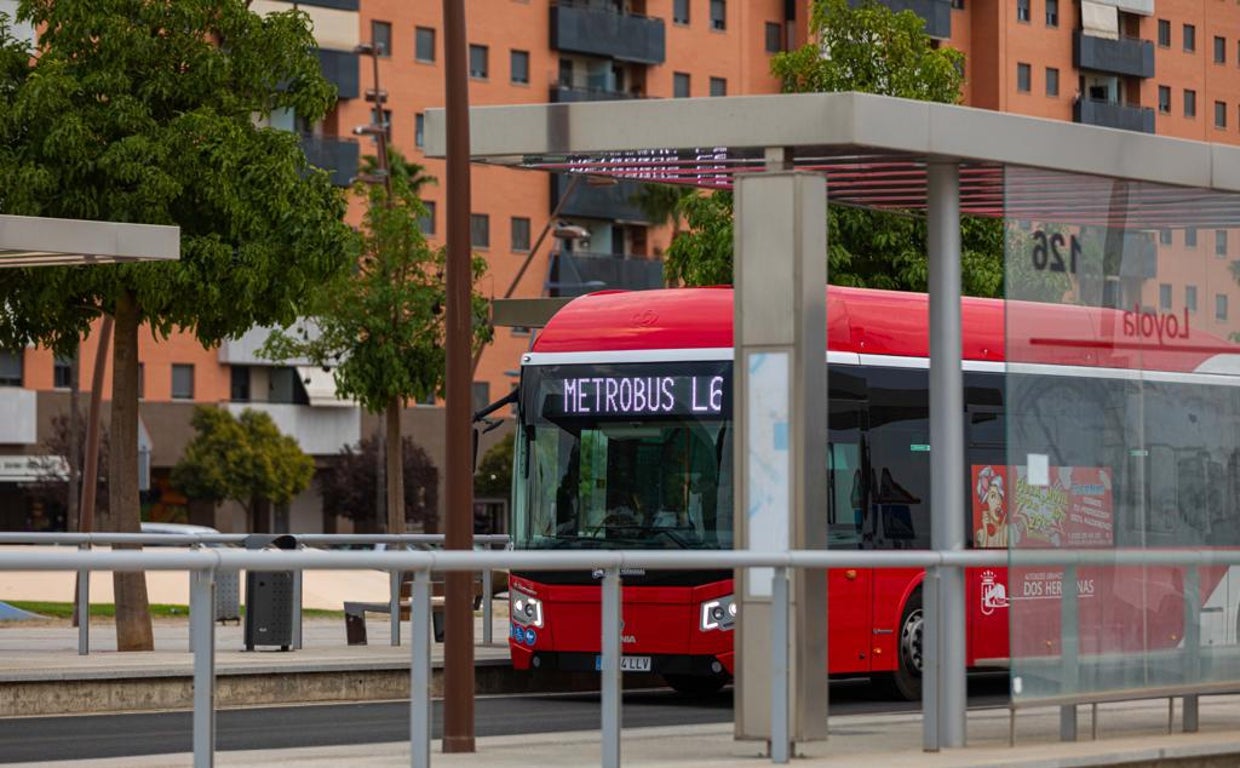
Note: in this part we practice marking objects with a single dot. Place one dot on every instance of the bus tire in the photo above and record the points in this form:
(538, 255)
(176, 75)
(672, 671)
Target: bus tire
(696, 685)
(905, 682)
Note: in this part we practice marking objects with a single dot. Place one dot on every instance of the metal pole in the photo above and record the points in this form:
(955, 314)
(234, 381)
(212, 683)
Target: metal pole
(780, 737)
(946, 619)
(1192, 642)
(458, 728)
(1069, 649)
(394, 605)
(202, 637)
(420, 671)
(609, 685)
(931, 671)
(297, 609)
(83, 608)
(486, 606)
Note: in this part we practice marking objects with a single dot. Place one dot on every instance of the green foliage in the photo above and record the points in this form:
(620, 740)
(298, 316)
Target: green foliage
(349, 484)
(243, 458)
(869, 49)
(494, 476)
(382, 328)
(145, 112)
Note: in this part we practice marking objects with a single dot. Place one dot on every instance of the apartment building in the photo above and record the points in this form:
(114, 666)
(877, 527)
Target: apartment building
(1165, 66)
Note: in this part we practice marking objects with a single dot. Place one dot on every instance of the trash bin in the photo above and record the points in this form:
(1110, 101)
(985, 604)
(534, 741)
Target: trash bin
(227, 596)
(269, 597)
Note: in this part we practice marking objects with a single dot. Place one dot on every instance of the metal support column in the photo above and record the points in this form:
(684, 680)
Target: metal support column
(780, 732)
(487, 620)
(1192, 643)
(83, 608)
(202, 634)
(1069, 648)
(297, 582)
(394, 579)
(610, 668)
(420, 670)
(943, 701)
(779, 406)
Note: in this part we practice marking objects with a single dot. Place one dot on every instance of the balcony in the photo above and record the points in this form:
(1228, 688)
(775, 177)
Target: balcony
(341, 69)
(580, 272)
(1126, 56)
(603, 32)
(319, 431)
(339, 156)
(613, 202)
(936, 13)
(564, 95)
(1113, 115)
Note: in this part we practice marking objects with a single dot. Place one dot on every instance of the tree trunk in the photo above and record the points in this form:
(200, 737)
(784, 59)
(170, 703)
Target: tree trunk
(133, 618)
(395, 468)
(260, 515)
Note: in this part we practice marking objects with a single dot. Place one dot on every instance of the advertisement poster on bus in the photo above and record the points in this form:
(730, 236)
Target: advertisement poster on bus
(1074, 509)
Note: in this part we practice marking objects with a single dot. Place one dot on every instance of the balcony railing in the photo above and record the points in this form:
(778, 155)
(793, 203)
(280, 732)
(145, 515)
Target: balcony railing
(1126, 56)
(936, 13)
(579, 272)
(1110, 114)
(339, 156)
(604, 32)
(341, 69)
(564, 95)
(613, 202)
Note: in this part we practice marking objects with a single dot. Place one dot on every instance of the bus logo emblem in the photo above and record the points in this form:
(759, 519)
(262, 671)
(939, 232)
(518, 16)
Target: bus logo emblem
(994, 595)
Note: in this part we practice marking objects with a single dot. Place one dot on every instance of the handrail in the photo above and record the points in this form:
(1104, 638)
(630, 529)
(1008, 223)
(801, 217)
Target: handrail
(172, 539)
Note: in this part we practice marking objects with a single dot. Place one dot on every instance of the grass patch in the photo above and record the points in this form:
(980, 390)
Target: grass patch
(158, 610)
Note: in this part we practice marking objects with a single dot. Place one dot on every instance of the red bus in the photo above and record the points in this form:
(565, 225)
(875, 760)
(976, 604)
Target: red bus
(625, 441)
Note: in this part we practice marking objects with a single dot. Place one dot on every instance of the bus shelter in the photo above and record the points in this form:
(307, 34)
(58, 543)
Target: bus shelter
(32, 241)
(1114, 421)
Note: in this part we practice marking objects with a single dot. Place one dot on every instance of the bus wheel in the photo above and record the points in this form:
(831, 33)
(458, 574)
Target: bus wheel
(905, 682)
(696, 685)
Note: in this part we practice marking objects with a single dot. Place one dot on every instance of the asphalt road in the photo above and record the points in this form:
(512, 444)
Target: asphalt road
(98, 736)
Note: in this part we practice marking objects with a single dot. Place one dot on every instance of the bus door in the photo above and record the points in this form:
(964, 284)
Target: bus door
(989, 485)
(849, 590)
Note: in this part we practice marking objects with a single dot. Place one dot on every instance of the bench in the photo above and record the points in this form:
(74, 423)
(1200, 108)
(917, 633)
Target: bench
(355, 612)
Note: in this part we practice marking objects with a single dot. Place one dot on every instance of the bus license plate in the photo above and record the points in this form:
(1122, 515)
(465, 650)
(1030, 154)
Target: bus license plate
(627, 663)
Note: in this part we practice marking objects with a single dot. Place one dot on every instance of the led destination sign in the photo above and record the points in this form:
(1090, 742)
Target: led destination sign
(625, 396)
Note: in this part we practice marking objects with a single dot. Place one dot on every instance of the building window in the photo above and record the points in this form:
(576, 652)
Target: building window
(481, 391)
(1220, 306)
(1164, 296)
(520, 233)
(10, 369)
(1190, 103)
(239, 384)
(520, 63)
(958, 4)
(419, 129)
(1023, 77)
(1190, 38)
(1164, 33)
(680, 85)
(1190, 237)
(774, 37)
(1164, 99)
(383, 118)
(1220, 114)
(718, 14)
(1164, 236)
(680, 12)
(1022, 10)
(718, 86)
(381, 36)
(1220, 243)
(424, 44)
(182, 381)
(479, 230)
(1190, 298)
(1220, 50)
(1052, 13)
(62, 372)
(478, 61)
(1052, 81)
(426, 222)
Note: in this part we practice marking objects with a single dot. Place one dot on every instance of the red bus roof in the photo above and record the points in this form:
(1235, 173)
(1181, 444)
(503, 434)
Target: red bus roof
(874, 322)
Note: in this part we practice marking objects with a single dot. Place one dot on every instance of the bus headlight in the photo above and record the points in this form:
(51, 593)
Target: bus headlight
(526, 610)
(718, 614)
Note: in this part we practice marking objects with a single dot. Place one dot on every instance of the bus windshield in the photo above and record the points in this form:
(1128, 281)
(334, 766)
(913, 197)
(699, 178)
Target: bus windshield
(635, 456)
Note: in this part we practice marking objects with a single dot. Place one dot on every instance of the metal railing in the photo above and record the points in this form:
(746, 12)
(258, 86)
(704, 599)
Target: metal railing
(204, 563)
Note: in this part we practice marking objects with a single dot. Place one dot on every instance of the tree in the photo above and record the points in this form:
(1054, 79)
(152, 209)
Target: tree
(52, 485)
(493, 478)
(381, 329)
(348, 485)
(152, 112)
(243, 458)
(870, 49)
